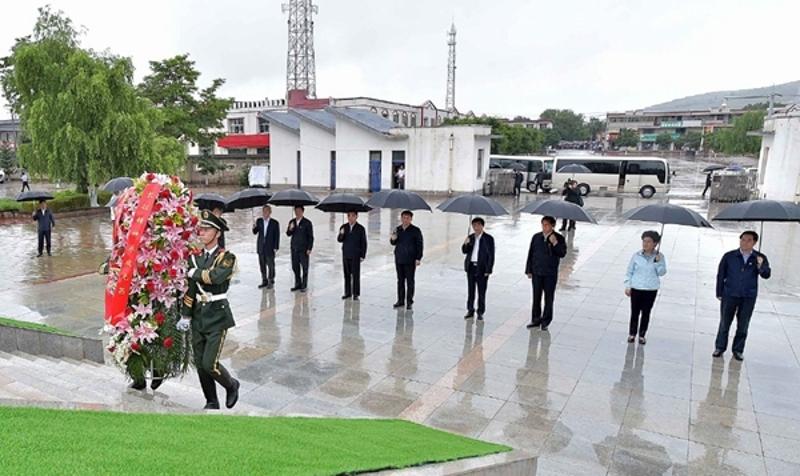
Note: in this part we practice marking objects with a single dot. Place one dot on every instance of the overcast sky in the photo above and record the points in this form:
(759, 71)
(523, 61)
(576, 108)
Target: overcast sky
(514, 57)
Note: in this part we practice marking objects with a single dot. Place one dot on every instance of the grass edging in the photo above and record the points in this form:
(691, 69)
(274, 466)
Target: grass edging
(34, 326)
(39, 339)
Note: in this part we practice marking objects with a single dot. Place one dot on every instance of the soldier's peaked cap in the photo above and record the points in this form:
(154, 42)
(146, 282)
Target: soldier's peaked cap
(209, 220)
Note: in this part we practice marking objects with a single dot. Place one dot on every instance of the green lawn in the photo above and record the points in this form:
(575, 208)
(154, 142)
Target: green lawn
(43, 441)
(4, 321)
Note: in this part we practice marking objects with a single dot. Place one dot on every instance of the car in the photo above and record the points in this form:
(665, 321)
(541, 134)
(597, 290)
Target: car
(2, 176)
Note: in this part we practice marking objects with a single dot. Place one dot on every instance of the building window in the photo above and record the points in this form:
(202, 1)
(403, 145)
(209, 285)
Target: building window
(427, 122)
(237, 151)
(263, 126)
(405, 119)
(413, 119)
(236, 125)
(262, 151)
(396, 117)
(480, 163)
(385, 113)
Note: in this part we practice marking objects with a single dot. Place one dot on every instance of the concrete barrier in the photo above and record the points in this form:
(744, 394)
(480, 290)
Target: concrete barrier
(30, 341)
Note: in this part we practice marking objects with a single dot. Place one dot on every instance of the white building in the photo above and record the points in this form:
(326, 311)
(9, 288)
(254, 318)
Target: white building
(355, 149)
(779, 160)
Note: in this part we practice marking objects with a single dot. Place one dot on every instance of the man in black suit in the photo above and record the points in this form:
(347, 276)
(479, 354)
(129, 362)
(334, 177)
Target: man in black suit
(478, 249)
(268, 231)
(407, 242)
(302, 233)
(545, 253)
(45, 223)
(353, 238)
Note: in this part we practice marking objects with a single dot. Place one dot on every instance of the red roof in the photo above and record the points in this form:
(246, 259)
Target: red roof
(244, 141)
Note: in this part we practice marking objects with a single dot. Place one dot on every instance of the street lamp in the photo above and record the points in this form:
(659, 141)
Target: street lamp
(452, 142)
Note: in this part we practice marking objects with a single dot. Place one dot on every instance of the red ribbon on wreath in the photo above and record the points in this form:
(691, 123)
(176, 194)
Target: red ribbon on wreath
(117, 298)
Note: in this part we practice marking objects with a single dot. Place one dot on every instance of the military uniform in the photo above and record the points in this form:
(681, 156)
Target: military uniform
(206, 304)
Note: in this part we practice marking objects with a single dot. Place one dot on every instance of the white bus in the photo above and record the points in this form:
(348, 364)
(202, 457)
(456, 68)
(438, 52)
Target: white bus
(535, 165)
(627, 174)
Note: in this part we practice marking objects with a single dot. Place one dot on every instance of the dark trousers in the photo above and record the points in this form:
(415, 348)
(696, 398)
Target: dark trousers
(705, 190)
(44, 236)
(517, 190)
(567, 223)
(546, 285)
(352, 276)
(479, 281)
(25, 185)
(267, 261)
(207, 348)
(300, 268)
(641, 304)
(405, 282)
(742, 309)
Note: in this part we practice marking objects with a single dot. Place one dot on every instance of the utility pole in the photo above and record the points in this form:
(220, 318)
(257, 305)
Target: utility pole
(300, 69)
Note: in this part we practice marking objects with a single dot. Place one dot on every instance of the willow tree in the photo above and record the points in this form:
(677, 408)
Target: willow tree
(80, 112)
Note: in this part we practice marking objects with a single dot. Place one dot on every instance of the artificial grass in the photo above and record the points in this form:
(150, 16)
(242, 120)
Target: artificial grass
(4, 321)
(43, 441)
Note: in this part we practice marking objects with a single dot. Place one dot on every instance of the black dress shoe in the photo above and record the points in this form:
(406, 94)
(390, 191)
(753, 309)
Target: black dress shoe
(480, 316)
(233, 395)
(534, 324)
(398, 304)
(355, 298)
(545, 326)
(295, 288)
(346, 296)
(469, 315)
(263, 285)
(738, 356)
(270, 286)
(409, 306)
(211, 406)
(138, 385)
(302, 290)
(717, 353)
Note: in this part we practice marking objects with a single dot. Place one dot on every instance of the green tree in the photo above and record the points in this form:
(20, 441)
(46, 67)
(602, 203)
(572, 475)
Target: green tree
(734, 140)
(7, 159)
(663, 140)
(569, 125)
(551, 137)
(519, 140)
(692, 140)
(595, 127)
(190, 114)
(627, 138)
(79, 109)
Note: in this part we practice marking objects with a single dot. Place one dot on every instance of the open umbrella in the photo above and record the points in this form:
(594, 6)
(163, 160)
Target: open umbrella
(574, 169)
(471, 204)
(247, 198)
(293, 197)
(667, 214)
(761, 210)
(118, 184)
(397, 198)
(343, 203)
(558, 209)
(518, 166)
(33, 196)
(713, 168)
(210, 201)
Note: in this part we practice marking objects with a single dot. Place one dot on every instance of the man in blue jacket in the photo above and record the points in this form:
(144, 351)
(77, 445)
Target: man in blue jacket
(737, 288)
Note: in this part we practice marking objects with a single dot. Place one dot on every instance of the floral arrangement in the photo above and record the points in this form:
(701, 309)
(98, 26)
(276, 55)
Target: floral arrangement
(144, 337)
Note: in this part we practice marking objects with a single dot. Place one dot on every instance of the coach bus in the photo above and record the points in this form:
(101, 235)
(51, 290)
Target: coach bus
(643, 175)
(534, 165)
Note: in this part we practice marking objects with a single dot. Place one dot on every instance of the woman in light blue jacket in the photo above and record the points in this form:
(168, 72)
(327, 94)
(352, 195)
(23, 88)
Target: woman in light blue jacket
(642, 283)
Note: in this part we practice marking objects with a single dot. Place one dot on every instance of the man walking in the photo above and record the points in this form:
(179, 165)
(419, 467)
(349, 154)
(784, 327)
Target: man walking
(45, 223)
(518, 179)
(302, 233)
(268, 238)
(24, 178)
(737, 288)
(478, 249)
(545, 253)
(407, 242)
(207, 312)
(708, 184)
(353, 238)
(572, 195)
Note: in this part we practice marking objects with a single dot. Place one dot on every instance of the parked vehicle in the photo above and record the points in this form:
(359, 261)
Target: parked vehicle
(535, 167)
(643, 175)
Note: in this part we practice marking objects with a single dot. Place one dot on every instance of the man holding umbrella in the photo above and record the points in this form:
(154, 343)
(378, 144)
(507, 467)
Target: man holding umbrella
(408, 244)
(302, 233)
(737, 288)
(45, 223)
(544, 255)
(268, 233)
(353, 238)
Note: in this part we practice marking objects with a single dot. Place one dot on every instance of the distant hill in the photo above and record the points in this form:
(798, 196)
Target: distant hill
(708, 100)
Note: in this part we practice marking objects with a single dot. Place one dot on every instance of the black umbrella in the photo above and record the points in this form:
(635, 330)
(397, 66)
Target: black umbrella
(574, 169)
(558, 209)
(667, 214)
(472, 204)
(343, 203)
(518, 166)
(210, 201)
(247, 198)
(760, 210)
(33, 196)
(118, 184)
(713, 168)
(397, 198)
(293, 197)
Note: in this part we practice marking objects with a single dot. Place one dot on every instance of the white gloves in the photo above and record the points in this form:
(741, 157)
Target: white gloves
(184, 324)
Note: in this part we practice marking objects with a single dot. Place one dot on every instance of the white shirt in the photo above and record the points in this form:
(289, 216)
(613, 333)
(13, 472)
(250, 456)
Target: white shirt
(475, 248)
(210, 252)
(266, 226)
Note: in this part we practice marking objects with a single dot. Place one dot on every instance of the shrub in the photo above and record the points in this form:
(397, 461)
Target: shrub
(244, 176)
(9, 205)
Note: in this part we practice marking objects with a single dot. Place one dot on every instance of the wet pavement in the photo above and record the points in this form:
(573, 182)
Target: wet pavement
(578, 396)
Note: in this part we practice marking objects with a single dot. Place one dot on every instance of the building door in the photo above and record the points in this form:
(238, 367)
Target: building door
(299, 169)
(398, 169)
(374, 171)
(333, 170)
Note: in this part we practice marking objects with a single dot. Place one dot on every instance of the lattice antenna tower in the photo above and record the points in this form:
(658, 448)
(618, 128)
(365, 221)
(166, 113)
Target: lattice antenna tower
(450, 100)
(300, 70)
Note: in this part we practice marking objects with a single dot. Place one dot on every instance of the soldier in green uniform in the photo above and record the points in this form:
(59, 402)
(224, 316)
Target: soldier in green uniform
(207, 313)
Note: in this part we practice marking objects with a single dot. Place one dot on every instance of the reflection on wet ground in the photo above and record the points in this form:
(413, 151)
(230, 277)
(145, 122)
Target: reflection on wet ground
(578, 396)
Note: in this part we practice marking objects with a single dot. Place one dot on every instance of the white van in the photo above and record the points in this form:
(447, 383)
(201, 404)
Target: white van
(627, 174)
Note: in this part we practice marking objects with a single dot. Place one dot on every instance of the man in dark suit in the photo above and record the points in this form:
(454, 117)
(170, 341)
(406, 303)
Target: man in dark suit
(407, 242)
(478, 249)
(45, 223)
(302, 233)
(353, 238)
(267, 241)
(545, 253)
